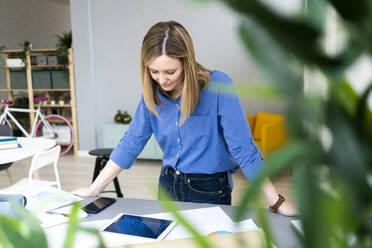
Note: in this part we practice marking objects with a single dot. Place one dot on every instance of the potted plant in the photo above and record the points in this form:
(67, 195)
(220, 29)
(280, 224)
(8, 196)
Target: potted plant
(19, 59)
(64, 42)
(123, 118)
(126, 118)
(118, 118)
(53, 100)
(329, 152)
(61, 100)
(15, 59)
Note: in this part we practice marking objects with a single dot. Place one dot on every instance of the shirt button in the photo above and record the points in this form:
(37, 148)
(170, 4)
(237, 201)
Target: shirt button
(176, 122)
(178, 140)
(177, 105)
(177, 172)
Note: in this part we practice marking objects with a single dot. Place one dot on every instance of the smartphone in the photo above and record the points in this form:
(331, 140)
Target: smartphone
(98, 205)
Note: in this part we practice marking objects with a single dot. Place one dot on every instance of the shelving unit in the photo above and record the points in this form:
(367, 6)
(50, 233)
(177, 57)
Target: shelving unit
(68, 110)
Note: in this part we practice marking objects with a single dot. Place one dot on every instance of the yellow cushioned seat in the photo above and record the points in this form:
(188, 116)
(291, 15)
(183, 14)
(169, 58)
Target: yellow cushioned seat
(268, 131)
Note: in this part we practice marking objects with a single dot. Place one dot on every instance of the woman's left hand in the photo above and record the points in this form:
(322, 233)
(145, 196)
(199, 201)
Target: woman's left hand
(287, 209)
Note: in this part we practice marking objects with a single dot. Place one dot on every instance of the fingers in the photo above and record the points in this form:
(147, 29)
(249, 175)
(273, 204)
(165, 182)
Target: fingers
(287, 209)
(82, 192)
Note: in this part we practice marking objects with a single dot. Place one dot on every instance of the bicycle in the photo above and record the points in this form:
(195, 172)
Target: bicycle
(60, 130)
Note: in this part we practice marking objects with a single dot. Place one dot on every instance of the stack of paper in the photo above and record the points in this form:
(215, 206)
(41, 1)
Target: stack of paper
(58, 216)
(207, 221)
(9, 143)
(47, 198)
(51, 205)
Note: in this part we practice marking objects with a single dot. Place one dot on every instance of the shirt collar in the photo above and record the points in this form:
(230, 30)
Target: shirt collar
(164, 96)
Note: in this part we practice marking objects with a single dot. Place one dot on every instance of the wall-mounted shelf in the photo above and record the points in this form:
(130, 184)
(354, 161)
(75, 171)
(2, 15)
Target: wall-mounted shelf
(44, 66)
(57, 105)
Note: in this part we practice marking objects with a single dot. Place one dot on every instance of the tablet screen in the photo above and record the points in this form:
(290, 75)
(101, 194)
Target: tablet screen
(139, 226)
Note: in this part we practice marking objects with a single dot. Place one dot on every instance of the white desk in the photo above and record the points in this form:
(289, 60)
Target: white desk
(30, 146)
(285, 236)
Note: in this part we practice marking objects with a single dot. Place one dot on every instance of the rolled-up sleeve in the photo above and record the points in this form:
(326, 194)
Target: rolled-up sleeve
(236, 131)
(134, 139)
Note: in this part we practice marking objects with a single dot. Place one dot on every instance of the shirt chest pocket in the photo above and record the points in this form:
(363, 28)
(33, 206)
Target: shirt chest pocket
(196, 126)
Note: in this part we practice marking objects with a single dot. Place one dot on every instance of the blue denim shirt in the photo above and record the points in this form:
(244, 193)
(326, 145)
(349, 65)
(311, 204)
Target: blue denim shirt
(215, 138)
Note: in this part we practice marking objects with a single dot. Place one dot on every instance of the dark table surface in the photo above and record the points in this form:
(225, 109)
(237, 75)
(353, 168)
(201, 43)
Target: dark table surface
(284, 234)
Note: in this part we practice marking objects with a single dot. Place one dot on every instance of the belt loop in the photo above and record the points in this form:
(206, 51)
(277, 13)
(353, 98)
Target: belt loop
(164, 170)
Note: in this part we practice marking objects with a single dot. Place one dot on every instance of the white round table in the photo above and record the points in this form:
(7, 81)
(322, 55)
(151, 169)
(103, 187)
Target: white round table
(30, 147)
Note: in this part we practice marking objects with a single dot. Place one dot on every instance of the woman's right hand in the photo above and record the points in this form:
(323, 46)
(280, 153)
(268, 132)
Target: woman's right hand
(83, 192)
(106, 176)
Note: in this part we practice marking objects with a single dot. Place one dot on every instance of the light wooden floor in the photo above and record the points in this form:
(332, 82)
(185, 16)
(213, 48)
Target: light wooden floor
(138, 182)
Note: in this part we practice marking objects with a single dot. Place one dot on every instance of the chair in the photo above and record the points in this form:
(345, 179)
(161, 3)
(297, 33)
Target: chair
(5, 130)
(103, 156)
(40, 160)
(268, 130)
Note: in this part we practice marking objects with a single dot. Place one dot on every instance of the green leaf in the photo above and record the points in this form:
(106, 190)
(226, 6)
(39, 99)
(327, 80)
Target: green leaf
(278, 161)
(364, 116)
(257, 91)
(315, 12)
(353, 11)
(347, 155)
(264, 223)
(275, 66)
(72, 226)
(313, 218)
(25, 232)
(295, 36)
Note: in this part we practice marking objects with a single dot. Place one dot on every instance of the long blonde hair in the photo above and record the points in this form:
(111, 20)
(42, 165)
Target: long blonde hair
(171, 39)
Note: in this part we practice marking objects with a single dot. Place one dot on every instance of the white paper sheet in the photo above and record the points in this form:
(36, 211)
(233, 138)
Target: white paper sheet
(56, 235)
(57, 216)
(47, 198)
(207, 221)
(44, 198)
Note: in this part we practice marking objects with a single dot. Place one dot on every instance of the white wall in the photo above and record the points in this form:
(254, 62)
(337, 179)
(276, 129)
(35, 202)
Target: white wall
(35, 20)
(107, 42)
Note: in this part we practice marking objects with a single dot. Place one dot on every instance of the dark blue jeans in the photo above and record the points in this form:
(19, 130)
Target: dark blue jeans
(201, 188)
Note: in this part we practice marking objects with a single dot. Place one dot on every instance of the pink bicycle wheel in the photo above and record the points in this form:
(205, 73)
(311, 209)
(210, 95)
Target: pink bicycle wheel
(61, 131)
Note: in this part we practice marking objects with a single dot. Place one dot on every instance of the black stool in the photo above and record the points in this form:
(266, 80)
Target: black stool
(103, 156)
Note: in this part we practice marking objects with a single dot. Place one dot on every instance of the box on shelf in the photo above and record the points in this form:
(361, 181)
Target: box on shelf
(41, 60)
(52, 60)
(60, 79)
(33, 58)
(14, 62)
(18, 79)
(41, 80)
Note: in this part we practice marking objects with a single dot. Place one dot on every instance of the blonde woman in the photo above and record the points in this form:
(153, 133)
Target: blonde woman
(198, 122)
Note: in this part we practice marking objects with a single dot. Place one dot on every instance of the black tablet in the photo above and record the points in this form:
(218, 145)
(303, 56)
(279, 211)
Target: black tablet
(139, 226)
